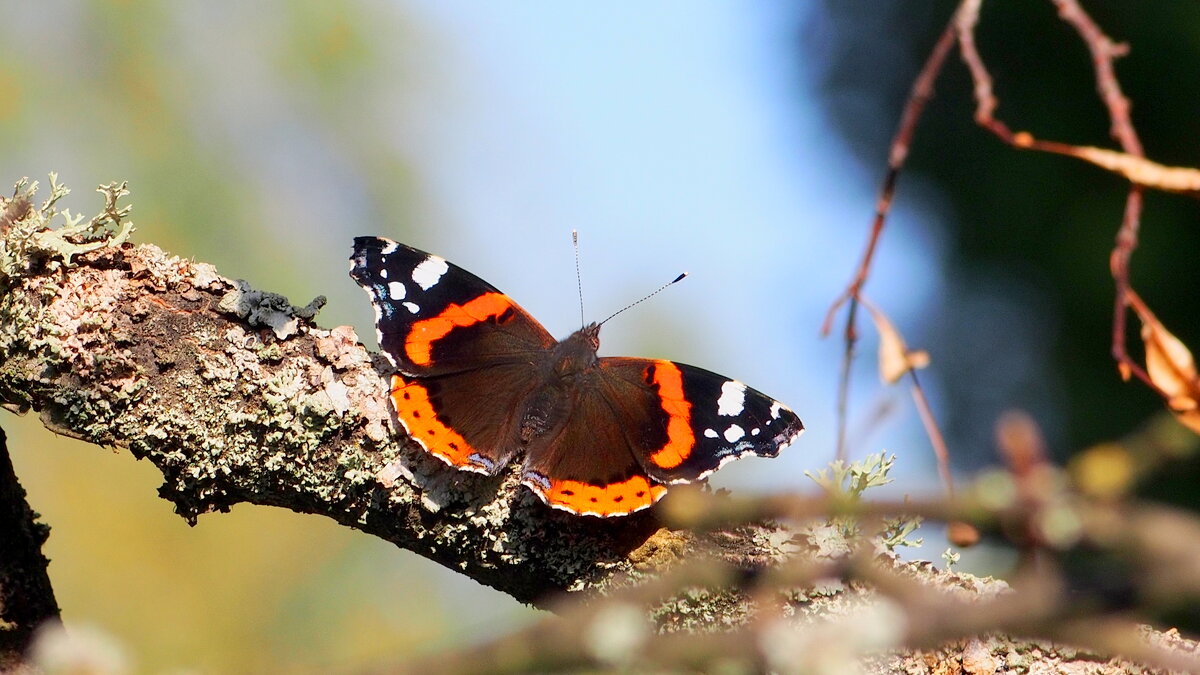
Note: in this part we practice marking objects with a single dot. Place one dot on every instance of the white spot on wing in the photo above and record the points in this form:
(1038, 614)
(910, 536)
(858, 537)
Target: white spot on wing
(429, 271)
(755, 431)
(383, 273)
(412, 307)
(389, 248)
(709, 433)
(734, 432)
(776, 406)
(396, 290)
(733, 398)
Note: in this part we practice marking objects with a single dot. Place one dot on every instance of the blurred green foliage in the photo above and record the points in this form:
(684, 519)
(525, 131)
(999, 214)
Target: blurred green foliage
(208, 109)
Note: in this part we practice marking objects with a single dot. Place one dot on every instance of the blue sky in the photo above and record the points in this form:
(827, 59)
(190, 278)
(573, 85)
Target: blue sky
(675, 137)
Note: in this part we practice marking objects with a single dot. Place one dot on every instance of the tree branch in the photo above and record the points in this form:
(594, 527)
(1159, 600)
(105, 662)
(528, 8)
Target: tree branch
(236, 397)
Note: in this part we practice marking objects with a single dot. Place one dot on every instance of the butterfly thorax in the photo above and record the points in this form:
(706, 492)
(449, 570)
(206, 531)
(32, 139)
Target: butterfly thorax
(576, 354)
(571, 360)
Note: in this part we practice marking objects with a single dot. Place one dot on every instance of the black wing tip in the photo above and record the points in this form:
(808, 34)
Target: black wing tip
(366, 244)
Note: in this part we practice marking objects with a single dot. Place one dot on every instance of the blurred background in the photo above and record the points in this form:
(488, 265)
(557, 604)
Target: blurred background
(742, 142)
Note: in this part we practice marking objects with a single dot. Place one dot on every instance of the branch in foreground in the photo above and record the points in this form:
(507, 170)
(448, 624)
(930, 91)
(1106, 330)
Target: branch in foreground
(852, 614)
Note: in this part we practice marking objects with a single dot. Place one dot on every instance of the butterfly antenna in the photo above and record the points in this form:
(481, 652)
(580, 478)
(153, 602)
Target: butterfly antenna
(659, 290)
(578, 276)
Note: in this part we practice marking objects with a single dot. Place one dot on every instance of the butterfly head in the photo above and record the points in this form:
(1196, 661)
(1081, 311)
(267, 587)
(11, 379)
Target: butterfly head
(577, 352)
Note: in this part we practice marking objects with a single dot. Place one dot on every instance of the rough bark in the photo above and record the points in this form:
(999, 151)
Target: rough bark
(26, 597)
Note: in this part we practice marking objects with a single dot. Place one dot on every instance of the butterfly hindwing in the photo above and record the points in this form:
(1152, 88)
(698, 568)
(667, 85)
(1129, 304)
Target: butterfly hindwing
(433, 317)
(588, 464)
(636, 425)
(465, 419)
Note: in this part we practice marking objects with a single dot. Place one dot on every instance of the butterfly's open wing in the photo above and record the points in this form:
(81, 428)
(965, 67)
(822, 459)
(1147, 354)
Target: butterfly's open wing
(685, 422)
(462, 418)
(433, 317)
(452, 337)
(651, 422)
(587, 465)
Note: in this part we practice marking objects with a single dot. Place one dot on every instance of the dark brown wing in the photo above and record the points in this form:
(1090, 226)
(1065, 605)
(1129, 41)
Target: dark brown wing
(467, 355)
(433, 317)
(586, 464)
(465, 419)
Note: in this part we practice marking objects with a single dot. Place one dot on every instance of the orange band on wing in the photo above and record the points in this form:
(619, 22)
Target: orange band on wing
(419, 345)
(417, 415)
(614, 499)
(680, 439)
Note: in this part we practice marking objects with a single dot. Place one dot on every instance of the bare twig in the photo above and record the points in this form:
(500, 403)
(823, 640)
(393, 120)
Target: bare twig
(919, 95)
(1104, 52)
(940, 451)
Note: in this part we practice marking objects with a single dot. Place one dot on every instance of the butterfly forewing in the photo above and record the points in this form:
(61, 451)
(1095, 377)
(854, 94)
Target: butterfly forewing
(434, 317)
(702, 420)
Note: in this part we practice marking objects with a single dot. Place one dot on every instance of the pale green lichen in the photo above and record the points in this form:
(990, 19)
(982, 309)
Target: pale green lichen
(30, 239)
(851, 480)
(702, 610)
(33, 237)
(848, 482)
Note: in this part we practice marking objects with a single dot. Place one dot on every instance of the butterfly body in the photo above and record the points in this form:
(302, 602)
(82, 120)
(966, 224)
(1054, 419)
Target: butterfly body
(479, 382)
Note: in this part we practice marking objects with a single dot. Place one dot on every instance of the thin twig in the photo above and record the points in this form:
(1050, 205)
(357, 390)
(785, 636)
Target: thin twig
(919, 95)
(934, 432)
(1104, 51)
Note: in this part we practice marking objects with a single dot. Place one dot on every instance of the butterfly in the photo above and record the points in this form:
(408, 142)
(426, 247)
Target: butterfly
(479, 382)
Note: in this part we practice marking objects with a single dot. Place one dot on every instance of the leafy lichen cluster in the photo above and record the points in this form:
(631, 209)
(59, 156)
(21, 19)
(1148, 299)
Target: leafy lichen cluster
(848, 482)
(29, 235)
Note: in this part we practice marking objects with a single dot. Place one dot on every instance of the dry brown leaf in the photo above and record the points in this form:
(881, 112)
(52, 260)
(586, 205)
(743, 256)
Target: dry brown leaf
(895, 358)
(1172, 369)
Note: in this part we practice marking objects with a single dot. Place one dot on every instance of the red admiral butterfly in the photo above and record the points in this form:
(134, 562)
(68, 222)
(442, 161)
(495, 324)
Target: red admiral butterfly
(479, 381)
